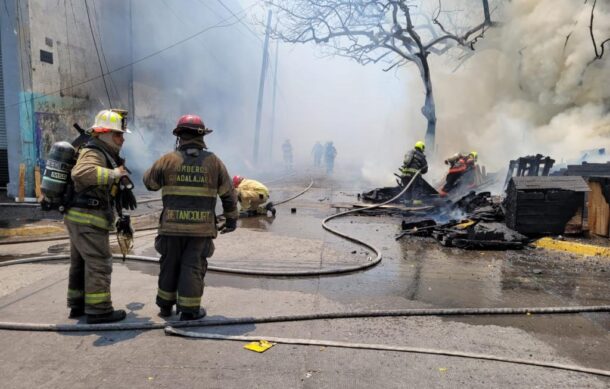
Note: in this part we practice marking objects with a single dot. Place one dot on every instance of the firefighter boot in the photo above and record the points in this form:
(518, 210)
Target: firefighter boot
(165, 311)
(184, 316)
(109, 317)
(76, 312)
(270, 208)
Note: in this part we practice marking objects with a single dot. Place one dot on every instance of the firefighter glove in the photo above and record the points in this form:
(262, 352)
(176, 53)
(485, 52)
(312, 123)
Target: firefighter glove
(229, 226)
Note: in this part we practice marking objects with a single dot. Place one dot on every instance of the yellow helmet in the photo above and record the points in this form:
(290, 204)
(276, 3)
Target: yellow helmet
(419, 145)
(474, 155)
(110, 120)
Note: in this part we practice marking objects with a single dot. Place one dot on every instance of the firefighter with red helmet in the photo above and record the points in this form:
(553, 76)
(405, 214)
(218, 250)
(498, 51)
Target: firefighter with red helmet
(90, 217)
(190, 179)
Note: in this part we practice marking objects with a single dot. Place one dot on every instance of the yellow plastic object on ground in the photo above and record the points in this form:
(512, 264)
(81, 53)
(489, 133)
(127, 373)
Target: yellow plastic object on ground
(260, 347)
(572, 247)
(464, 225)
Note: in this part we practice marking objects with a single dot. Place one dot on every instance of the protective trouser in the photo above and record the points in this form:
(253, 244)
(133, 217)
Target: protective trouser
(183, 265)
(90, 269)
(452, 181)
(257, 204)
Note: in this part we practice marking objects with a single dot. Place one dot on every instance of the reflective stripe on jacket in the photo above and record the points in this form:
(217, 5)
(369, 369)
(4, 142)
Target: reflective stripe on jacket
(189, 185)
(93, 177)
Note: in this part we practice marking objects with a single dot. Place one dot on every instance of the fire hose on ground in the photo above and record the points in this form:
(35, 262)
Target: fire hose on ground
(171, 326)
(171, 329)
(303, 273)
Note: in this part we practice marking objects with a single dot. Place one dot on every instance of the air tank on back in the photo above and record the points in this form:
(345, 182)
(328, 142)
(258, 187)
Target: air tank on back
(57, 174)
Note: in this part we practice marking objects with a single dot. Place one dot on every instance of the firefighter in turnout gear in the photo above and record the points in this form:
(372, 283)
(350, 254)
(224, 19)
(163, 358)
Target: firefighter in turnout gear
(190, 179)
(90, 217)
(462, 172)
(251, 196)
(414, 160)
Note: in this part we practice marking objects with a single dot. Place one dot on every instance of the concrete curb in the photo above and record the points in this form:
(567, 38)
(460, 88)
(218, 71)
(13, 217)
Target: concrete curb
(572, 247)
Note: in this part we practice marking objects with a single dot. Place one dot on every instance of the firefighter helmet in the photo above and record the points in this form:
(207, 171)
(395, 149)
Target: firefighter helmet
(110, 120)
(192, 124)
(474, 155)
(419, 145)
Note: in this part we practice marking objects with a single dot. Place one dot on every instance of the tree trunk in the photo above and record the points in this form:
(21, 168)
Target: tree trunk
(429, 108)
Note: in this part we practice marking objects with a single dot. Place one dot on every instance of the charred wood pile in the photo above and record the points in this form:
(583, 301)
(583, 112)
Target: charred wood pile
(545, 205)
(532, 165)
(420, 190)
(480, 228)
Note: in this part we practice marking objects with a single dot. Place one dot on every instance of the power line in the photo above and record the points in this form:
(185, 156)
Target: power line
(99, 59)
(99, 34)
(241, 22)
(144, 58)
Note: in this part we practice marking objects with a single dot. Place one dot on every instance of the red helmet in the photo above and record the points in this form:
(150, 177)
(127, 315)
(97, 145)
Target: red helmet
(191, 123)
(236, 181)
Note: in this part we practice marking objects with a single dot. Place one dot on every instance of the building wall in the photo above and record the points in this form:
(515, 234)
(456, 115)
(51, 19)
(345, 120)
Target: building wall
(52, 74)
(59, 75)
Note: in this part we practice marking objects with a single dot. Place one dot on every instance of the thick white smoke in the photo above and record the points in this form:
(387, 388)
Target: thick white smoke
(533, 86)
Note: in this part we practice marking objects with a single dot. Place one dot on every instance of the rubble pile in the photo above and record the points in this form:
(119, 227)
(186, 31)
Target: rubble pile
(481, 227)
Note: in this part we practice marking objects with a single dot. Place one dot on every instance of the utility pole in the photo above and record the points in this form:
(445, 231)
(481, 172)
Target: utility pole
(261, 89)
(130, 100)
(277, 48)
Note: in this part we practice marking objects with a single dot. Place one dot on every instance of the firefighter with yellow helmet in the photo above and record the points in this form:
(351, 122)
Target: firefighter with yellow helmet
(414, 160)
(90, 217)
(462, 172)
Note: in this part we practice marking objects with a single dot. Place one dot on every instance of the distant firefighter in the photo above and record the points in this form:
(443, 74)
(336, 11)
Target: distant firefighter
(330, 153)
(317, 152)
(252, 196)
(287, 152)
(462, 171)
(415, 160)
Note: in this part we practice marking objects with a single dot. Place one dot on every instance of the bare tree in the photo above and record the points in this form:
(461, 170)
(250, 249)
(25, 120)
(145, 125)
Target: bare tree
(599, 52)
(392, 32)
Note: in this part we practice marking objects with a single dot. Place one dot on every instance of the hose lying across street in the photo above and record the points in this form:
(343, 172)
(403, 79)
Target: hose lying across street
(171, 327)
(382, 347)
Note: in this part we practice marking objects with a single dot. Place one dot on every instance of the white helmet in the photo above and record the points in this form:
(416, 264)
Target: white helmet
(110, 120)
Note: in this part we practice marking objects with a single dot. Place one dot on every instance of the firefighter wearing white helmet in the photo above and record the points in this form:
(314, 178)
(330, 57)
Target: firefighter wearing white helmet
(90, 218)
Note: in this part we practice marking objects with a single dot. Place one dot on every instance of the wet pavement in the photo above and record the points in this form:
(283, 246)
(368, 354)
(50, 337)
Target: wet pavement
(414, 273)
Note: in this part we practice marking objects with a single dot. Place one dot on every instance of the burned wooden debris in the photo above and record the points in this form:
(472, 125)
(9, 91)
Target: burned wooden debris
(531, 165)
(480, 228)
(545, 205)
(420, 190)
